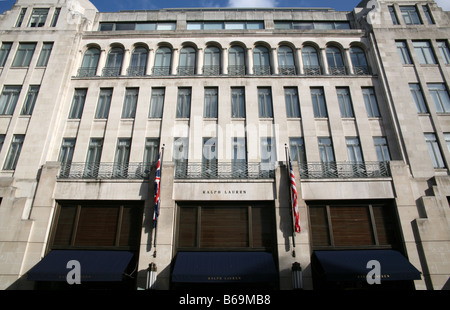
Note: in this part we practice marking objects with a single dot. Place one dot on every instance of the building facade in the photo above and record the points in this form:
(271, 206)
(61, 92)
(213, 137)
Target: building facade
(358, 101)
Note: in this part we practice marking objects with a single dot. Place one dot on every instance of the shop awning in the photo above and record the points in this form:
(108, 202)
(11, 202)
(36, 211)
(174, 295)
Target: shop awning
(224, 267)
(352, 265)
(94, 265)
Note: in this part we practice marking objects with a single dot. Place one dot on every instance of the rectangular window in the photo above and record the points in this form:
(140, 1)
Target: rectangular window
(381, 148)
(291, 100)
(424, 52)
(180, 149)
(268, 151)
(443, 48)
(8, 99)
(55, 17)
(238, 102)
(157, 103)
(151, 151)
(24, 54)
(239, 153)
(349, 225)
(93, 158)
(122, 157)
(104, 103)
(440, 96)
(345, 102)
(371, 102)
(427, 12)
(14, 152)
(66, 155)
(410, 15)
(403, 52)
(297, 148)
(211, 103)
(38, 18)
(226, 226)
(130, 103)
(326, 150)
(184, 103)
(4, 53)
(354, 150)
(434, 150)
(265, 102)
(79, 98)
(318, 101)
(447, 140)
(21, 16)
(99, 224)
(30, 101)
(2, 141)
(393, 15)
(419, 100)
(45, 54)
(209, 157)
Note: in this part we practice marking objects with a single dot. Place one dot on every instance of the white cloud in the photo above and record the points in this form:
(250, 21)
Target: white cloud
(252, 3)
(445, 4)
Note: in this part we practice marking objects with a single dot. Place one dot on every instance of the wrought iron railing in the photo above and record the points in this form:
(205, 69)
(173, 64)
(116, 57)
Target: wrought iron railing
(337, 70)
(136, 70)
(241, 170)
(344, 170)
(211, 70)
(111, 71)
(312, 70)
(287, 70)
(262, 70)
(236, 70)
(87, 71)
(186, 70)
(105, 171)
(361, 70)
(161, 70)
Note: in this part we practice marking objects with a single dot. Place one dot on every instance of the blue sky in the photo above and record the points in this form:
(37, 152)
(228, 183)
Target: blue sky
(116, 5)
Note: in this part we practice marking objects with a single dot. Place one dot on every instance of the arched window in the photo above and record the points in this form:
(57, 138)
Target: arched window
(236, 61)
(90, 62)
(138, 64)
(163, 60)
(286, 65)
(113, 62)
(311, 65)
(261, 61)
(359, 61)
(187, 61)
(335, 61)
(211, 64)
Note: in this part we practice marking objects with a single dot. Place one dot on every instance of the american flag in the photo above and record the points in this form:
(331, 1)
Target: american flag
(157, 186)
(294, 197)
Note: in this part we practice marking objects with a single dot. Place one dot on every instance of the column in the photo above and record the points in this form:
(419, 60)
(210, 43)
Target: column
(323, 55)
(274, 60)
(101, 62)
(175, 61)
(224, 61)
(250, 60)
(150, 62)
(126, 62)
(348, 61)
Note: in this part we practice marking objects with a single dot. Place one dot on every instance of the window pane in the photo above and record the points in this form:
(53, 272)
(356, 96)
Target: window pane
(211, 103)
(4, 52)
(318, 101)
(416, 92)
(403, 52)
(14, 152)
(434, 150)
(38, 17)
(291, 100)
(104, 102)
(345, 104)
(381, 148)
(440, 96)
(238, 102)
(157, 103)
(45, 54)
(370, 102)
(184, 103)
(445, 53)
(30, 101)
(130, 103)
(8, 99)
(78, 103)
(265, 102)
(24, 54)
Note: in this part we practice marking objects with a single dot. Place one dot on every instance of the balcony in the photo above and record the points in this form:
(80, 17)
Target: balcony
(111, 71)
(211, 70)
(87, 71)
(214, 170)
(99, 171)
(344, 170)
(136, 70)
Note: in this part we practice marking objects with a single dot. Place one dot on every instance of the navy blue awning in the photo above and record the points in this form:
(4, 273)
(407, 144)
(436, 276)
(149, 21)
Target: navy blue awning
(224, 267)
(352, 265)
(95, 265)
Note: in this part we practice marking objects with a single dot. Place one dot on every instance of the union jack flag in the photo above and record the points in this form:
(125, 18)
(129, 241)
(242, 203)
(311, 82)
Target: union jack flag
(294, 198)
(157, 187)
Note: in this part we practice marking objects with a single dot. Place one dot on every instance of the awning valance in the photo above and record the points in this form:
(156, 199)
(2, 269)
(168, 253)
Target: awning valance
(351, 265)
(94, 265)
(224, 267)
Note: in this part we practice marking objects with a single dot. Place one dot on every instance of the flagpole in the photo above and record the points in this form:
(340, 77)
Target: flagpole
(155, 220)
(288, 171)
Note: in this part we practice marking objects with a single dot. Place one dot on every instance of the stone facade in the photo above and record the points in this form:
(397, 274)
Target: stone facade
(33, 187)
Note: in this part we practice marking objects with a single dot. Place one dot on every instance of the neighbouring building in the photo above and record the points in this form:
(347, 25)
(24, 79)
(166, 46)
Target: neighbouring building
(358, 101)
